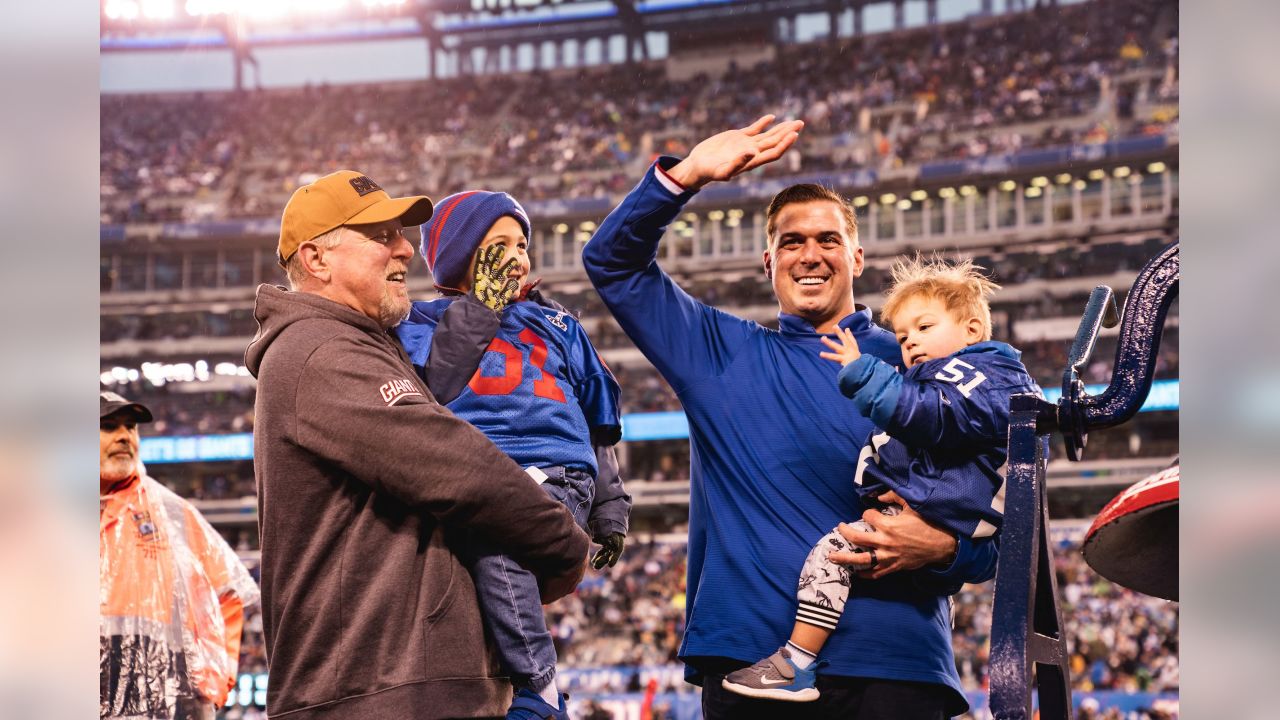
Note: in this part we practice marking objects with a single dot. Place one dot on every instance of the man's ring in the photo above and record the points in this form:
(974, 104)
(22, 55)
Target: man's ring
(874, 560)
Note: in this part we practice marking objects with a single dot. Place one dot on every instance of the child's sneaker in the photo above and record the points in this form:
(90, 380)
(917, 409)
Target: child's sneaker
(775, 678)
(529, 705)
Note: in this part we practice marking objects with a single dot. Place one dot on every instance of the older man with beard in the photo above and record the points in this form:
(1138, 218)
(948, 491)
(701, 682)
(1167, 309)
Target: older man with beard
(366, 485)
(172, 593)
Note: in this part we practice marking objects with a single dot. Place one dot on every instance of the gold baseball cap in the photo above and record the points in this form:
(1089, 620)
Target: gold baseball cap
(345, 197)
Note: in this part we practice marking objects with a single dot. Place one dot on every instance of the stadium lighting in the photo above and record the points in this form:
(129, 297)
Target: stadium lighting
(158, 9)
(583, 237)
(735, 213)
(1121, 172)
(861, 201)
(715, 215)
(732, 222)
(1008, 186)
(261, 9)
(1063, 178)
(690, 217)
(1039, 182)
(919, 195)
(1097, 174)
(587, 225)
(561, 228)
(1032, 192)
(1156, 168)
(888, 199)
(904, 204)
(1080, 184)
(946, 193)
(122, 10)
(967, 190)
(679, 225)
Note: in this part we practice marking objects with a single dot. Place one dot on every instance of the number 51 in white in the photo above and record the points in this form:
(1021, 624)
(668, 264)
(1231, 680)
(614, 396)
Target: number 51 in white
(953, 374)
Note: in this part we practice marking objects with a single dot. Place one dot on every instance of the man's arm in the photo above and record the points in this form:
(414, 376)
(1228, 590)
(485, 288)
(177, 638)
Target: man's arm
(358, 409)
(446, 345)
(464, 332)
(907, 541)
(683, 338)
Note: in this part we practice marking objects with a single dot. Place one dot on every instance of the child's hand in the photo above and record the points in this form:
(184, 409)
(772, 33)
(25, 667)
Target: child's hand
(490, 284)
(610, 550)
(845, 351)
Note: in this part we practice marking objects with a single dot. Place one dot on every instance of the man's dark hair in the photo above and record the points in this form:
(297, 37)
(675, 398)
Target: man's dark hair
(809, 192)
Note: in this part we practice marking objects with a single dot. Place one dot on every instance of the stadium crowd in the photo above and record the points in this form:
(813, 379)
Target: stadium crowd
(632, 616)
(1016, 81)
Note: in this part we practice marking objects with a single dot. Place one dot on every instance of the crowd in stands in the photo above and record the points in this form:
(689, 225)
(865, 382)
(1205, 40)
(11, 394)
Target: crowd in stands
(1048, 77)
(632, 616)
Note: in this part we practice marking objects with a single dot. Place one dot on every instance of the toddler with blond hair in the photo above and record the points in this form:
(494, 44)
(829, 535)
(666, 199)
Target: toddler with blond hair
(941, 445)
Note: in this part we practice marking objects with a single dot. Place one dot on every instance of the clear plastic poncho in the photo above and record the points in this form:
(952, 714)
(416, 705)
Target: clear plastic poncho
(168, 585)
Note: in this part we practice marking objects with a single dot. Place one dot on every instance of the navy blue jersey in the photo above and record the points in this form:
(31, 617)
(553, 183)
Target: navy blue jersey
(944, 432)
(540, 387)
(773, 448)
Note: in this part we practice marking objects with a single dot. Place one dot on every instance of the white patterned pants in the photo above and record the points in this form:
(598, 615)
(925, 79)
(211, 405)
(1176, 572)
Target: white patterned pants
(824, 585)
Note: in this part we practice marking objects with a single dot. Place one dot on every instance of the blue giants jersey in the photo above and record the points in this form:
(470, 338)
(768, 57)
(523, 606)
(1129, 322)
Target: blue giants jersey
(540, 387)
(945, 432)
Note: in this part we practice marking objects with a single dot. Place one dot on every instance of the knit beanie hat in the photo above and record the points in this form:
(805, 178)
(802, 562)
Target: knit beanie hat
(460, 222)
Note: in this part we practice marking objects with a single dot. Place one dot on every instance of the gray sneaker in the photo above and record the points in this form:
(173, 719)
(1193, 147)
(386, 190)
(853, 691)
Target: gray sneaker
(776, 677)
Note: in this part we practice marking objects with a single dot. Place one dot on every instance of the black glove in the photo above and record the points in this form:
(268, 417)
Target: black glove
(610, 550)
(490, 283)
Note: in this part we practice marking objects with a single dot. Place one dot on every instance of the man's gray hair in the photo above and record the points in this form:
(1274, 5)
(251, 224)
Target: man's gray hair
(293, 267)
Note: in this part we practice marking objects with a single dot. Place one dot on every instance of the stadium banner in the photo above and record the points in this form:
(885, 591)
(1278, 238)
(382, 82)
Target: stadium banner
(1036, 159)
(655, 426)
(196, 448)
(579, 206)
(1164, 395)
(636, 427)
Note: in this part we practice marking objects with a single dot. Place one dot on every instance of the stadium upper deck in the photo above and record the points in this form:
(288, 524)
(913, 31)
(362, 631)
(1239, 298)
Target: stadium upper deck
(881, 110)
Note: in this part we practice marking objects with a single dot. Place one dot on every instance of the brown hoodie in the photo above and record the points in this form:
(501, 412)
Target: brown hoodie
(365, 487)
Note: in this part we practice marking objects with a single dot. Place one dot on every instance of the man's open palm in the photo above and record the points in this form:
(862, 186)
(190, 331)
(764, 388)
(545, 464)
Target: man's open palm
(733, 152)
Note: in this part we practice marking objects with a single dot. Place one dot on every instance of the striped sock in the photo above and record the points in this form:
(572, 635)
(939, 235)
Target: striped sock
(801, 657)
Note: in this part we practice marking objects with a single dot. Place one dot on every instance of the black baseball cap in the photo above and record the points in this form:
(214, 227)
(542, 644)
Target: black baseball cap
(113, 404)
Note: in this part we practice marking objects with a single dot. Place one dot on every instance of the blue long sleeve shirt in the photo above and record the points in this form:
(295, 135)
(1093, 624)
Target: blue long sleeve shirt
(773, 447)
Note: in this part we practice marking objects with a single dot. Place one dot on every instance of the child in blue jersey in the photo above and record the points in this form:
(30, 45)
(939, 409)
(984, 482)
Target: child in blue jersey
(521, 369)
(941, 448)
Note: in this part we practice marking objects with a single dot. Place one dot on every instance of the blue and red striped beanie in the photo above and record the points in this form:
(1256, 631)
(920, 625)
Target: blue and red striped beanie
(460, 222)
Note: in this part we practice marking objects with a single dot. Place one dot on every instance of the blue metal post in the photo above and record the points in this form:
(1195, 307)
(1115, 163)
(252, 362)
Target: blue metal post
(1028, 645)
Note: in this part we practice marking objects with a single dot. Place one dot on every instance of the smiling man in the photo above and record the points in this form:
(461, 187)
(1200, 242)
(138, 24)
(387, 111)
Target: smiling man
(771, 441)
(366, 484)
